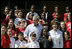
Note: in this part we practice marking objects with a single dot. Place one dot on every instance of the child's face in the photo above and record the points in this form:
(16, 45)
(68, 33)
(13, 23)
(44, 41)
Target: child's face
(6, 10)
(3, 30)
(33, 38)
(9, 32)
(44, 8)
(23, 24)
(45, 26)
(32, 8)
(67, 9)
(20, 37)
(10, 23)
(44, 32)
(56, 15)
(54, 26)
(62, 25)
(69, 17)
(31, 15)
(56, 9)
(43, 15)
(20, 14)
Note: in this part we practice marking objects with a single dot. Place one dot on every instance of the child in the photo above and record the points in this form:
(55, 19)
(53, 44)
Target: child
(9, 32)
(57, 18)
(20, 43)
(62, 27)
(6, 11)
(11, 25)
(44, 41)
(18, 18)
(46, 13)
(22, 26)
(32, 11)
(41, 22)
(68, 24)
(55, 10)
(67, 41)
(32, 43)
(30, 17)
(5, 40)
(67, 11)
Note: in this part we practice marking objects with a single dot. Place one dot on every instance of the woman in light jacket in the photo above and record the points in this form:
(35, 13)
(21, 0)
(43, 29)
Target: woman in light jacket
(56, 35)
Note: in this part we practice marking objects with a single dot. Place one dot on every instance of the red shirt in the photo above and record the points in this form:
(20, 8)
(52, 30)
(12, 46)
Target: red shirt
(5, 41)
(14, 31)
(65, 15)
(21, 29)
(67, 44)
(53, 15)
(68, 27)
(29, 22)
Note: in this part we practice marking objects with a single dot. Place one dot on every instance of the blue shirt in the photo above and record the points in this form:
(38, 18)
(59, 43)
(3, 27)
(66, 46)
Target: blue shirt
(31, 28)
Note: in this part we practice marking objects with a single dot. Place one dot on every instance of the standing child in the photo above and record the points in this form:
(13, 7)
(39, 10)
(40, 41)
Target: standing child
(5, 40)
(20, 43)
(67, 11)
(22, 26)
(67, 41)
(33, 43)
(9, 32)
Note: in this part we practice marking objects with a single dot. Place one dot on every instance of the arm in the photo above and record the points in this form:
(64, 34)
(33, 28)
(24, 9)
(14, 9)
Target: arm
(26, 33)
(61, 41)
(27, 16)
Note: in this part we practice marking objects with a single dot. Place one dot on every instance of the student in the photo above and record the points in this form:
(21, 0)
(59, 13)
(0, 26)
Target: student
(9, 16)
(33, 43)
(43, 16)
(16, 12)
(32, 10)
(11, 25)
(20, 43)
(9, 32)
(6, 11)
(41, 22)
(22, 26)
(56, 35)
(18, 18)
(55, 10)
(46, 12)
(67, 11)
(30, 21)
(67, 41)
(62, 27)
(68, 24)
(44, 41)
(5, 40)
(57, 18)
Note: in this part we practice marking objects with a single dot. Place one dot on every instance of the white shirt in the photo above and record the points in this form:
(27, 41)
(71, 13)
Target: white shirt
(33, 44)
(16, 21)
(57, 38)
(20, 43)
(46, 15)
(35, 14)
(12, 44)
(31, 28)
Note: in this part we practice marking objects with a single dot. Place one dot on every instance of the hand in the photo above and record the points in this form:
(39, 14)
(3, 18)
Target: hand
(49, 38)
(28, 41)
